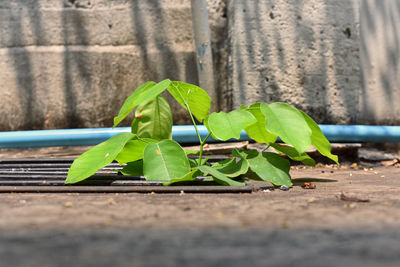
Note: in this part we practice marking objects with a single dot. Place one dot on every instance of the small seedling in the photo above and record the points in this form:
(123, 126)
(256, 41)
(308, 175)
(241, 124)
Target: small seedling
(149, 151)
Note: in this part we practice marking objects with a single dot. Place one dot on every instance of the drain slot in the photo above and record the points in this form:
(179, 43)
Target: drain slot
(48, 176)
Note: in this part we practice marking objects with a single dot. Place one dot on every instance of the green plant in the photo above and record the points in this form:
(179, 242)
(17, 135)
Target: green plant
(150, 151)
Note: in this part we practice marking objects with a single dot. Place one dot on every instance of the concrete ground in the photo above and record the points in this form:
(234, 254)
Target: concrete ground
(299, 227)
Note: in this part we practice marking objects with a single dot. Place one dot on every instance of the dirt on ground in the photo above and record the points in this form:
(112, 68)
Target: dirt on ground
(350, 211)
(321, 207)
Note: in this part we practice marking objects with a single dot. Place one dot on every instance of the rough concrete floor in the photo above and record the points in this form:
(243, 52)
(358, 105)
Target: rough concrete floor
(299, 227)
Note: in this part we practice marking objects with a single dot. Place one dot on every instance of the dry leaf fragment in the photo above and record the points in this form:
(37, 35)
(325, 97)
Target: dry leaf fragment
(308, 185)
(352, 198)
(388, 163)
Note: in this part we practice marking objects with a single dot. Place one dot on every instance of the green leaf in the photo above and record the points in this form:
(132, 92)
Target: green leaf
(133, 150)
(292, 153)
(153, 119)
(142, 94)
(192, 96)
(97, 157)
(319, 140)
(219, 177)
(165, 160)
(194, 163)
(191, 152)
(239, 154)
(187, 178)
(224, 126)
(269, 167)
(134, 168)
(258, 131)
(231, 168)
(289, 124)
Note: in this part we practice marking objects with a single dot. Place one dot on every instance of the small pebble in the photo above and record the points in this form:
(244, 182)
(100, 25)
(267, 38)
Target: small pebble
(111, 201)
(351, 205)
(266, 190)
(311, 200)
(284, 188)
(108, 222)
(182, 193)
(284, 225)
(68, 204)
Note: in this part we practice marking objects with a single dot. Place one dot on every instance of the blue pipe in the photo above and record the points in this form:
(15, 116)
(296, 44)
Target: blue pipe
(182, 134)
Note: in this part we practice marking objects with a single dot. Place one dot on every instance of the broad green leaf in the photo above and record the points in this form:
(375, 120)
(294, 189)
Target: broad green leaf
(165, 160)
(224, 126)
(142, 94)
(239, 154)
(292, 153)
(269, 167)
(191, 152)
(195, 163)
(219, 177)
(133, 150)
(187, 178)
(319, 140)
(192, 96)
(258, 131)
(97, 157)
(134, 168)
(288, 123)
(231, 168)
(153, 119)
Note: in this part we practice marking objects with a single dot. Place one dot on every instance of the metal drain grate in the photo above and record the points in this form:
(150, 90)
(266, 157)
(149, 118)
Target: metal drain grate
(48, 176)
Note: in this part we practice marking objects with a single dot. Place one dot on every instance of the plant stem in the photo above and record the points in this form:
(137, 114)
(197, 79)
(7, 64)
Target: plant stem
(194, 124)
(266, 148)
(201, 149)
(202, 142)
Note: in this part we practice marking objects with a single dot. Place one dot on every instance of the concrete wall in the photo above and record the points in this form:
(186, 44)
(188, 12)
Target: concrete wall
(379, 98)
(339, 60)
(305, 53)
(71, 63)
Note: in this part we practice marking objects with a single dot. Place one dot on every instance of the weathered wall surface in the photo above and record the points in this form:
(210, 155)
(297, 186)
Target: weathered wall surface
(305, 53)
(336, 59)
(380, 60)
(71, 63)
